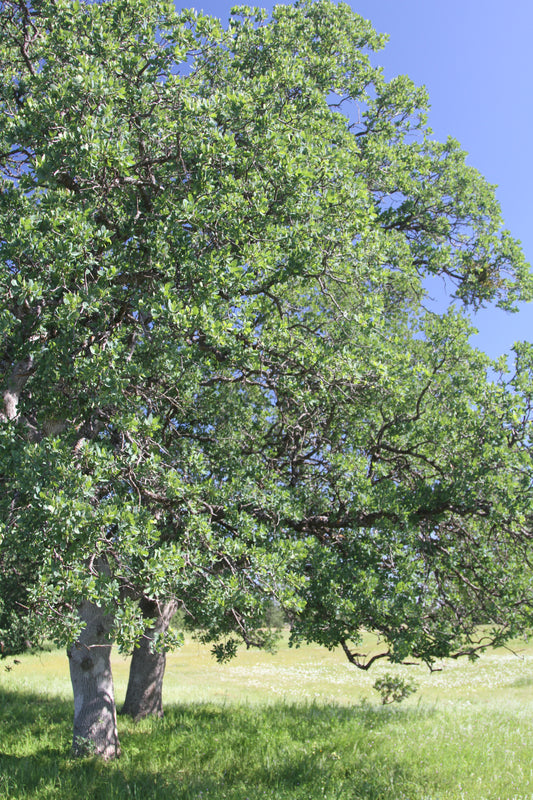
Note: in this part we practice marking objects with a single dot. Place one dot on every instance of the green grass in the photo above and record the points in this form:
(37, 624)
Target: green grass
(298, 725)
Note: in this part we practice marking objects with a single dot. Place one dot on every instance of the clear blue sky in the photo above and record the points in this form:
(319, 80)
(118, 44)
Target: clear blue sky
(476, 59)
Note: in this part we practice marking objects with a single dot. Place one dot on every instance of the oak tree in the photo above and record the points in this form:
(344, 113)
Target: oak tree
(222, 385)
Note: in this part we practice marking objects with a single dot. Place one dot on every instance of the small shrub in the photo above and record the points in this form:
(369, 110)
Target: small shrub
(394, 689)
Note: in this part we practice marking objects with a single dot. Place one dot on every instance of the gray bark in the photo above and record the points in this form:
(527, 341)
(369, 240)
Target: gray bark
(144, 696)
(95, 719)
(22, 370)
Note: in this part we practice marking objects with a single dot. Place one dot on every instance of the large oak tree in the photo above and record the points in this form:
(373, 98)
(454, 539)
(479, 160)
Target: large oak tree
(221, 383)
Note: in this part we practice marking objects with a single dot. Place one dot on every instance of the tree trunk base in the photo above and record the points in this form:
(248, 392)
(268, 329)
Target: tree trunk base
(144, 696)
(95, 720)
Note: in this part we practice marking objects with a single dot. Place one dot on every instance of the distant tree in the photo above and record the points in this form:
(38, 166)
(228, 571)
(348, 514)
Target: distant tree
(222, 388)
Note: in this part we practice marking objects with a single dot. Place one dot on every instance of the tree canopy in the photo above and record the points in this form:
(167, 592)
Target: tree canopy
(223, 380)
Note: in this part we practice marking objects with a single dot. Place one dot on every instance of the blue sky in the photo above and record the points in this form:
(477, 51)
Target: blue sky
(476, 59)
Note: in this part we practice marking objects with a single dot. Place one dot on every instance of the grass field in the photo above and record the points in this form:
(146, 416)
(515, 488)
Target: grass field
(301, 724)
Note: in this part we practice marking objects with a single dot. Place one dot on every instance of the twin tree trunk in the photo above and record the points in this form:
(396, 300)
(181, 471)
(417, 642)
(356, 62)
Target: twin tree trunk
(95, 719)
(145, 686)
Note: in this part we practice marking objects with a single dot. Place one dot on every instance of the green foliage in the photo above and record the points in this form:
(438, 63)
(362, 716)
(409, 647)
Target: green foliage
(220, 379)
(394, 689)
(225, 651)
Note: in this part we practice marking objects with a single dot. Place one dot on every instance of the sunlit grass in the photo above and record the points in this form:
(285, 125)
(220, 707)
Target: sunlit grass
(299, 724)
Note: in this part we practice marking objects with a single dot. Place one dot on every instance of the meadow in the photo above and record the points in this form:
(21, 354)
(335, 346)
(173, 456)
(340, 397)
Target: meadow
(301, 724)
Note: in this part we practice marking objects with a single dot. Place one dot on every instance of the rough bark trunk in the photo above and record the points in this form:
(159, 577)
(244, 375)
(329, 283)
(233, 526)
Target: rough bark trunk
(95, 718)
(144, 696)
(22, 370)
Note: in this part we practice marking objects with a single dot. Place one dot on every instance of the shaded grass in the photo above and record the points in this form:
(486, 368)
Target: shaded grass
(279, 751)
(301, 725)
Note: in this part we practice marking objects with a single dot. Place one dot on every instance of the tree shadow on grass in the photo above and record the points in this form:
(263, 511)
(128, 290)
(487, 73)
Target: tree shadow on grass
(198, 751)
